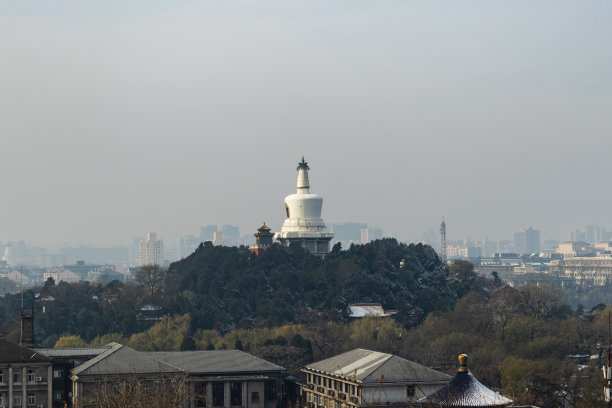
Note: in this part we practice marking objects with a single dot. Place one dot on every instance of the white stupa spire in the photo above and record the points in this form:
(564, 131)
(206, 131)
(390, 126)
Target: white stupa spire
(303, 184)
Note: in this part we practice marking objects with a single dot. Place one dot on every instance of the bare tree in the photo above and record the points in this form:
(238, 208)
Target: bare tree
(162, 391)
(152, 276)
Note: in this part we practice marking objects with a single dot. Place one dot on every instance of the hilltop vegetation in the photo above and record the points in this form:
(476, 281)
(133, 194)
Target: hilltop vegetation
(223, 288)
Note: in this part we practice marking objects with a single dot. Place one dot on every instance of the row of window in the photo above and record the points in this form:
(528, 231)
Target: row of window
(336, 385)
(17, 399)
(31, 376)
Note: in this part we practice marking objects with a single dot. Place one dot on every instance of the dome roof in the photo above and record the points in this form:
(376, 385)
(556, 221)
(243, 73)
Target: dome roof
(464, 390)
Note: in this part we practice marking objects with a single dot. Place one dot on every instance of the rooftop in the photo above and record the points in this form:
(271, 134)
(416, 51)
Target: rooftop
(14, 352)
(120, 359)
(368, 366)
(464, 390)
(215, 361)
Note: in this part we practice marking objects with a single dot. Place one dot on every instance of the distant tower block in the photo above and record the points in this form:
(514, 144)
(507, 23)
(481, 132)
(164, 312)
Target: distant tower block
(443, 242)
(151, 250)
(304, 224)
(263, 238)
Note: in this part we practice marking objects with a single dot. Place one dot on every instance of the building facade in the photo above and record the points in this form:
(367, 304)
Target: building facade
(365, 378)
(205, 379)
(584, 271)
(527, 241)
(303, 224)
(151, 250)
(25, 377)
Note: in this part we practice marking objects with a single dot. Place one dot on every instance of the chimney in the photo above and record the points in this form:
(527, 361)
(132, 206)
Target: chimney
(27, 328)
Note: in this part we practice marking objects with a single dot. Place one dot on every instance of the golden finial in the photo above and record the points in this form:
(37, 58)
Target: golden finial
(463, 358)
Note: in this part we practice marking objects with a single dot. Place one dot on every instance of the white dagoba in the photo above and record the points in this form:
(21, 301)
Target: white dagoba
(304, 224)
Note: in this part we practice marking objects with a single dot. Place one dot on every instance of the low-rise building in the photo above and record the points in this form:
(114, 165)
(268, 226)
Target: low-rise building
(227, 378)
(25, 377)
(201, 379)
(585, 271)
(368, 309)
(63, 361)
(569, 249)
(365, 378)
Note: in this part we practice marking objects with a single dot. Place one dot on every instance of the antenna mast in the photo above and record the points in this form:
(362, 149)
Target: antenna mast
(443, 241)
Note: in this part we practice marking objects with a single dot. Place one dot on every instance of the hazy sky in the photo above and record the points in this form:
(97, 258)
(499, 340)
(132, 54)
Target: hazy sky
(121, 117)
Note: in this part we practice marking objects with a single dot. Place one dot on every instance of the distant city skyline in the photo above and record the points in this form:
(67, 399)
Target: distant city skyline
(125, 117)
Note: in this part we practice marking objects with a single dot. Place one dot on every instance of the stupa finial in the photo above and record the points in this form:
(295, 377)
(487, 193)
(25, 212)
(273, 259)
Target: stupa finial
(463, 359)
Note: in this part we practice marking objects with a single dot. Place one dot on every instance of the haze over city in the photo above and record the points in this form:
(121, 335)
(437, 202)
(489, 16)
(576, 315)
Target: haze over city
(118, 119)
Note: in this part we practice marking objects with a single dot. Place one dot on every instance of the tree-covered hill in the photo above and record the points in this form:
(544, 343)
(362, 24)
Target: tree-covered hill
(228, 287)
(223, 288)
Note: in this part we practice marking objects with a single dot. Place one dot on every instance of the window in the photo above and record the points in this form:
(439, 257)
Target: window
(17, 378)
(236, 393)
(58, 396)
(270, 390)
(17, 400)
(346, 388)
(218, 390)
(309, 377)
(58, 374)
(31, 398)
(1, 379)
(324, 382)
(1, 399)
(318, 380)
(31, 377)
(410, 390)
(255, 397)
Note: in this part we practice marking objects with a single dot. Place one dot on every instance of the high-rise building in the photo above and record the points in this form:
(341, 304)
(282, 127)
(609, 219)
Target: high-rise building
(304, 224)
(151, 250)
(370, 234)
(527, 241)
(349, 231)
(187, 245)
(231, 234)
(207, 233)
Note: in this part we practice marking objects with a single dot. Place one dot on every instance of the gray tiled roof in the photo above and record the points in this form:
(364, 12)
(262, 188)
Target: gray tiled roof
(13, 352)
(74, 352)
(120, 359)
(369, 366)
(215, 361)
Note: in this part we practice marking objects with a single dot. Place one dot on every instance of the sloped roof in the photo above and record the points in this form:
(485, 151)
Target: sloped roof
(368, 309)
(464, 390)
(73, 352)
(120, 359)
(13, 352)
(369, 366)
(215, 361)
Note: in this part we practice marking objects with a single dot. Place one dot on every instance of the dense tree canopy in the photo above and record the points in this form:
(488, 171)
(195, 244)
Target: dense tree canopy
(224, 288)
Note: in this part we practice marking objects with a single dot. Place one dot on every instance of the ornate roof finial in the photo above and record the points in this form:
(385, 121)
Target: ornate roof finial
(303, 165)
(463, 358)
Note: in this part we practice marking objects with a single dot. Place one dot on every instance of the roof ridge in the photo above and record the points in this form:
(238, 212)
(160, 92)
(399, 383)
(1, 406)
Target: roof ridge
(91, 362)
